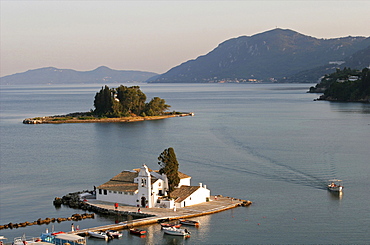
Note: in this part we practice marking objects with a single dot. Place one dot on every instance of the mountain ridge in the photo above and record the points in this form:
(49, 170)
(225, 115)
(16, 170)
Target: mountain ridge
(52, 75)
(268, 56)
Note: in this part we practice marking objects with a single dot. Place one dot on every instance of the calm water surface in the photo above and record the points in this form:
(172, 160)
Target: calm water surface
(268, 143)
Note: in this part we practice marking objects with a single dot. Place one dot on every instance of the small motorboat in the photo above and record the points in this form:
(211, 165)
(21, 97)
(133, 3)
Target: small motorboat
(137, 231)
(163, 225)
(98, 234)
(189, 222)
(28, 240)
(114, 234)
(176, 232)
(335, 185)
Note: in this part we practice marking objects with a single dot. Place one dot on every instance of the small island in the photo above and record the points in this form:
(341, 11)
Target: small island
(122, 104)
(347, 85)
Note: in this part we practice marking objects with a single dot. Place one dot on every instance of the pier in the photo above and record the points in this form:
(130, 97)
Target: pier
(215, 205)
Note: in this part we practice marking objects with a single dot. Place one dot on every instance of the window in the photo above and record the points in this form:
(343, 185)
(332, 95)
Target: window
(100, 192)
(114, 192)
(105, 192)
(120, 192)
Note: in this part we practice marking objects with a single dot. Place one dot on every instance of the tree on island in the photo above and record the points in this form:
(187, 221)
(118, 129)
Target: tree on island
(132, 99)
(103, 101)
(169, 167)
(127, 101)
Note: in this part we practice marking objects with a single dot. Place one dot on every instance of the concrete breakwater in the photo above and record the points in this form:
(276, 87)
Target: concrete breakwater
(74, 217)
(157, 215)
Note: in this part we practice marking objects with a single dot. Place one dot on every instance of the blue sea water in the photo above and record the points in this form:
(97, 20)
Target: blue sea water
(268, 143)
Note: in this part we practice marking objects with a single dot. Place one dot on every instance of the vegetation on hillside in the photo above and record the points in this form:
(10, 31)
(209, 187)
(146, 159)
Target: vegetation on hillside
(170, 167)
(345, 85)
(127, 101)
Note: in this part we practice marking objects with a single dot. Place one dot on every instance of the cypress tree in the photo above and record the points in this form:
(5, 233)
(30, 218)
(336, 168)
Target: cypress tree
(170, 167)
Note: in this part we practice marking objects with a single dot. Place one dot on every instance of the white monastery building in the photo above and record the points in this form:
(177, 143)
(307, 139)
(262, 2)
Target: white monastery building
(147, 188)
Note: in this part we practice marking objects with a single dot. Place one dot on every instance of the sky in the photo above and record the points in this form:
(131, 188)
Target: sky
(155, 35)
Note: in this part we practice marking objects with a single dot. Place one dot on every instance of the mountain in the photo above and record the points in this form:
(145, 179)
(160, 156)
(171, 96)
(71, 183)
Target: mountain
(51, 75)
(268, 56)
(358, 60)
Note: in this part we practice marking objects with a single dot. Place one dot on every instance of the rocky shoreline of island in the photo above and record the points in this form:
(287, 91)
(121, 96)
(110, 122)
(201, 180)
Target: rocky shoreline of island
(87, 118)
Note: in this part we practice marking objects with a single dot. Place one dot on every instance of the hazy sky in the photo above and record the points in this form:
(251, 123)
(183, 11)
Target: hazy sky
(155, 35)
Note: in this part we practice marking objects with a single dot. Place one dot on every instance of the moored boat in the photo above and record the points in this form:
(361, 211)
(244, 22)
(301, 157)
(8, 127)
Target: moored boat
(189, 222)
(98, 234)
(113, 234)
(137, 231)
(61, 238)
(64, 238)
(28, 240)
(335, 185)
(163, 225)
(176, 232)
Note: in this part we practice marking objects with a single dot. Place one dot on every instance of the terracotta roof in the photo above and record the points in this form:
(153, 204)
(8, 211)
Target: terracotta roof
(124, 181)
(118, 186)
(183, 192)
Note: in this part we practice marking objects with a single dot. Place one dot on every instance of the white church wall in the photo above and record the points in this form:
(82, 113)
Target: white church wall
(199, 196)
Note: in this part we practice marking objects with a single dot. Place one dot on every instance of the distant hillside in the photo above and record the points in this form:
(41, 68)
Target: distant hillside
(269, 56)
(51, 75)
(358, 60)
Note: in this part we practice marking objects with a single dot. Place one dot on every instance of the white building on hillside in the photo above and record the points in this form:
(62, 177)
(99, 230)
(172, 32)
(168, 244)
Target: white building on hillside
(147, 188)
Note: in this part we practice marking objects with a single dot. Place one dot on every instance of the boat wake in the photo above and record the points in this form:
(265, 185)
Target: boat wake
(244, 158)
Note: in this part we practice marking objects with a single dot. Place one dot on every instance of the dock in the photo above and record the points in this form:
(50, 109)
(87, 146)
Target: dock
(215, 205)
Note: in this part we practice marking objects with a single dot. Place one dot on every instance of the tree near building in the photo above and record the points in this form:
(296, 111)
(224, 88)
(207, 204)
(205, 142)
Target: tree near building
(169, 167)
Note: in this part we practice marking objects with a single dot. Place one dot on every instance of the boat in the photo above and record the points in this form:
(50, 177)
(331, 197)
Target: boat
(335, 185)
(2, 239)
(189, 222)
(113, 234)
(98, 234)
(170, 225)
(176, 232)
(61, 238)
(28, 240)
(64, 238)
(137, 231)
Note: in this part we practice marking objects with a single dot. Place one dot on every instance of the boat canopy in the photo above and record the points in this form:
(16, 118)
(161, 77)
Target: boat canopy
(69, 237)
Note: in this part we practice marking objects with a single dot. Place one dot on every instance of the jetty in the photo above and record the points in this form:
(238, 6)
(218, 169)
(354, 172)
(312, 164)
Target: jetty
(156, 215)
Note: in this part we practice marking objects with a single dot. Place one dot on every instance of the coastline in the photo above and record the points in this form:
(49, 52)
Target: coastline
(63, 119)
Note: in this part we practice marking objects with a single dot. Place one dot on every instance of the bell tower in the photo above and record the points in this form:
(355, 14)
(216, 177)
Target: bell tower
(144, 187)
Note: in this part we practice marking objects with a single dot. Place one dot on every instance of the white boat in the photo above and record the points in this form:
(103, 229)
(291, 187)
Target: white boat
(175, 231)
(335, 185)
(28, 240)
(64, 238)
(98, 234)
(114, 234)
